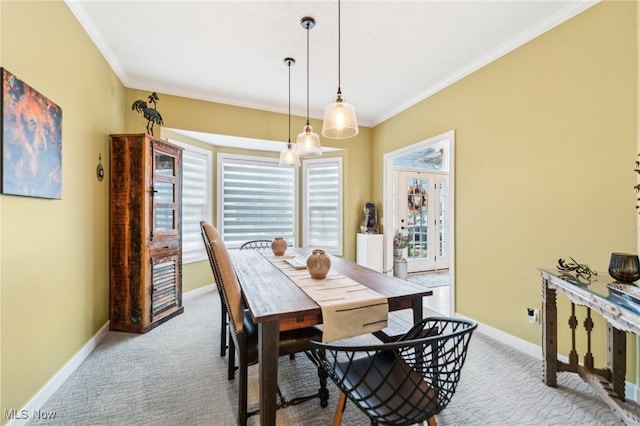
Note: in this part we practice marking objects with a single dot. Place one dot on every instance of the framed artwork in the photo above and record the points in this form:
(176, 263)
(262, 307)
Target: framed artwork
(31, 141)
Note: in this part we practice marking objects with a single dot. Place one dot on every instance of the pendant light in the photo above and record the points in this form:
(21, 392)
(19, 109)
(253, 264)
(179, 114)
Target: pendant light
(288, 156)
(340, 120)
(308, 143)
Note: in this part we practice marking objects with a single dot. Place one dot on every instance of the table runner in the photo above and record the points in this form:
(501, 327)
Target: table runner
(348, 308)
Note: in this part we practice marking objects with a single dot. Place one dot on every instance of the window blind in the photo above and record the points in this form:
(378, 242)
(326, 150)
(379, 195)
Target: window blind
(323, 204)
(196, 201)
(258, 199)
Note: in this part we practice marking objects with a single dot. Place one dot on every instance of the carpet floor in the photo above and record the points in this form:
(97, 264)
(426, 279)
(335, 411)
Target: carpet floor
(174, 375)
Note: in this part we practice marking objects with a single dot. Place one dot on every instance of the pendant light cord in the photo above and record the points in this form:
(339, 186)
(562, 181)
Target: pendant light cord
(339, 91)
(307, 74)
(289, 65)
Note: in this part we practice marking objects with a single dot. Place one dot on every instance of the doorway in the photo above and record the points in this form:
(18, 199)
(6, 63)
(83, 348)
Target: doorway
(418, 198)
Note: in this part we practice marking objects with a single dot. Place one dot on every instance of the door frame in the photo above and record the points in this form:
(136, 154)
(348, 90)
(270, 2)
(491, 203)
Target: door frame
(388, 198)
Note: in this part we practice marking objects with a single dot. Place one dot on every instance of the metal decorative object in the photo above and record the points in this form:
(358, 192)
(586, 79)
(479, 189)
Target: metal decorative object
(581, 273)
(400, 266)
(100, 169)
(151, 114)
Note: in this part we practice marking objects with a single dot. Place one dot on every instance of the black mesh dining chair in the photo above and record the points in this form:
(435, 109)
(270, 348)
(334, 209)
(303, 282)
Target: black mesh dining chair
(403, 382)
(256, 245)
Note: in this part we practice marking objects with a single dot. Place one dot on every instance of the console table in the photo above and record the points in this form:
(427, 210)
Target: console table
(621, 315)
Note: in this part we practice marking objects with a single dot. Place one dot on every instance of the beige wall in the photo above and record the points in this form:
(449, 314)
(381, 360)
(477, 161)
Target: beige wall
(544, 151)
(54, 265)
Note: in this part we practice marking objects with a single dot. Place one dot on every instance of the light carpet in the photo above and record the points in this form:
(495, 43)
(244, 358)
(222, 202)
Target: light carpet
(174, 375)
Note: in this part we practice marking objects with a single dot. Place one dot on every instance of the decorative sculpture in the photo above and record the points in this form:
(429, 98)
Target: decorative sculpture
(583, 272)
(370, 223)
(279, 246)
(318, 264)
(151, 114)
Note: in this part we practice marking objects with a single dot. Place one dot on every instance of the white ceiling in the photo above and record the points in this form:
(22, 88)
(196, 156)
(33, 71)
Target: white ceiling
(394, 53)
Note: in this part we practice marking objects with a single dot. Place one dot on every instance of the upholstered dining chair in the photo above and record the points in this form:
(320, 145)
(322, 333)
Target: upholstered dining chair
(403, 382)
(260, 245)
(224, 322)
(256, 245)
(243, 332)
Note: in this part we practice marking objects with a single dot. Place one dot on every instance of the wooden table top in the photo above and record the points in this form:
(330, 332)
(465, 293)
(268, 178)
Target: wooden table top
(271, 295)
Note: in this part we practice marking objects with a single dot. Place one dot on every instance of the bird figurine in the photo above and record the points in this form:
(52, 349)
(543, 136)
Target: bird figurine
(151, 114)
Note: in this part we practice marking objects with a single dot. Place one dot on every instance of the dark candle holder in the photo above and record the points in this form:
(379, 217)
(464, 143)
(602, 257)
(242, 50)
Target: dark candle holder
(624, 267)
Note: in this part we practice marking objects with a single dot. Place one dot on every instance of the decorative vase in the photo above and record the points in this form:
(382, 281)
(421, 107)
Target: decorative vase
(624, 267)
(279, 246)
(399, 264)
(318, 264)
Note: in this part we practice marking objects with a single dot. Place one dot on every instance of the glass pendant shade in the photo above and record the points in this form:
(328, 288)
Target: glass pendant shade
(288, 156)
(308, 143)
(340, 120)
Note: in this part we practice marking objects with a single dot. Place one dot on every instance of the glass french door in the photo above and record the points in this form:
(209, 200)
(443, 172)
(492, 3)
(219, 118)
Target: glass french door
(423, 214)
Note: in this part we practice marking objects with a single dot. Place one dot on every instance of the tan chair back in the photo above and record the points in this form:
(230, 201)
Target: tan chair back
(207, 246)
(225, 275)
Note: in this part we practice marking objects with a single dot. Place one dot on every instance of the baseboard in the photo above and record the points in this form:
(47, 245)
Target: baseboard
(32, 408)
(198, 291)
(37, 402)
(631, 390)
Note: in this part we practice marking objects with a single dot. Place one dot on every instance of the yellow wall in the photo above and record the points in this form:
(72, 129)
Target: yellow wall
(545, 141)
(54, 265)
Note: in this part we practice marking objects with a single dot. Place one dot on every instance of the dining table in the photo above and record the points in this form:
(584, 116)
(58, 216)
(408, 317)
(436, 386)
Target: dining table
(277, 304)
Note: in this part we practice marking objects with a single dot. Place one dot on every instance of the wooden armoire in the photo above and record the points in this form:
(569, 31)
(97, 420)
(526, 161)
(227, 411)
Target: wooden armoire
(145, 242)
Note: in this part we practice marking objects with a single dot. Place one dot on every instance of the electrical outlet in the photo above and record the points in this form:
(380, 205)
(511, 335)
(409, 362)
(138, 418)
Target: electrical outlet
(534, 315)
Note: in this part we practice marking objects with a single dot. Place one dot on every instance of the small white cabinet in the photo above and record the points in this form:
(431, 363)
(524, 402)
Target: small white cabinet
(369, 251)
